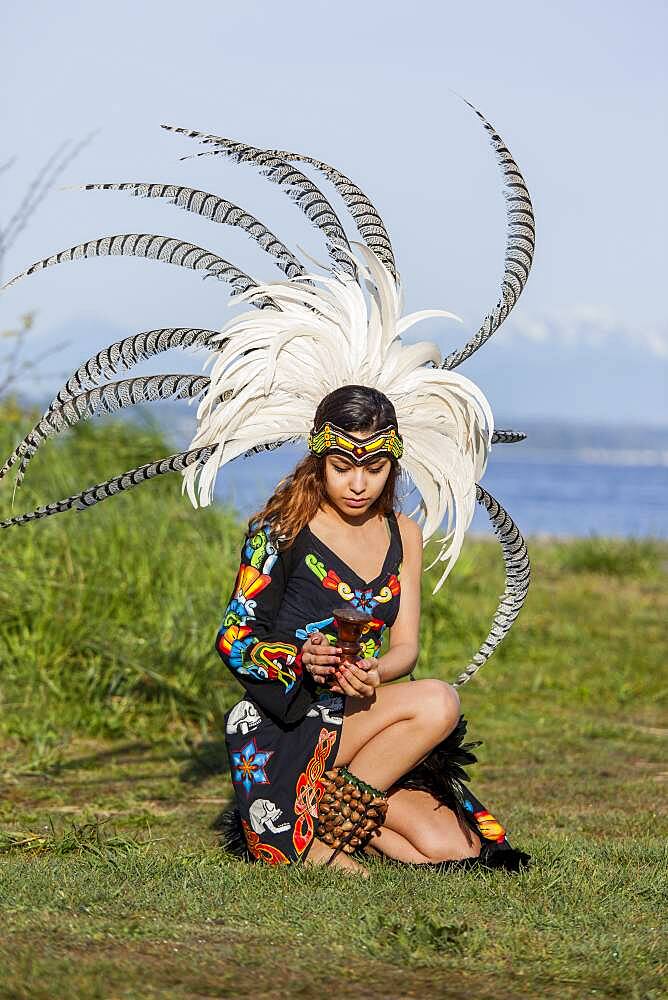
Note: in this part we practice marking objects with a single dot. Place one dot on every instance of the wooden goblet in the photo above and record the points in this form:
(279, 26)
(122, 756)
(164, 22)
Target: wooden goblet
(350, 623)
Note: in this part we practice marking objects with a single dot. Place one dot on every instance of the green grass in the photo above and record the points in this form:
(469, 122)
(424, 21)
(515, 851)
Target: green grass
(108, 616)
(112, 883)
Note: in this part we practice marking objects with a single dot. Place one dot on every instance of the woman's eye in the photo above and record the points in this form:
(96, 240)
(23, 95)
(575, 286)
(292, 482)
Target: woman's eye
(373, 471)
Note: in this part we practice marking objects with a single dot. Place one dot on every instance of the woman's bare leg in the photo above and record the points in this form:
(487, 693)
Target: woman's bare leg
(320, 853)
(384, 737)
(381, 741)
(418, 828)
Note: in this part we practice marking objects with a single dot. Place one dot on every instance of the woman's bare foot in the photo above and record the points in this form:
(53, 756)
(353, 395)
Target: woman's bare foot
(320, 854)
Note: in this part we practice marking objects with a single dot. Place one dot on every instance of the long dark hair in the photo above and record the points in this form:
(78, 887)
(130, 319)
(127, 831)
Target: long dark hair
(299, 496)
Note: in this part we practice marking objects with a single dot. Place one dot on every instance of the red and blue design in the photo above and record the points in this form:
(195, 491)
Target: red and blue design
(249, 766)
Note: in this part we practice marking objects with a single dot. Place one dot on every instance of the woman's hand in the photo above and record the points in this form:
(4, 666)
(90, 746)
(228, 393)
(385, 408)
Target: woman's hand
(357, 680)
(319, 658)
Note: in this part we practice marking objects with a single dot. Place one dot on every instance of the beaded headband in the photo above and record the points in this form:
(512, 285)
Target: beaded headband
(335, 441)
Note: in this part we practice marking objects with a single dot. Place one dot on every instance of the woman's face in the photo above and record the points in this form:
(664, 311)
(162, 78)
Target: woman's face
(353, 489)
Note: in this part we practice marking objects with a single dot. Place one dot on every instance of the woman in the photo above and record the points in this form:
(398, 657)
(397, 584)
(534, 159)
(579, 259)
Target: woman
(305, 711)
(317, 746)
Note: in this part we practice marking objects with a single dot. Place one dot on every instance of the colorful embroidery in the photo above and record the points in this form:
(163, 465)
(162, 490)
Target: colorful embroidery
(230, 644)
(304, 633)
(489, 826)
(260, 552)
(390, 590)
(268, 657)
(248, 766)
(315, 565)
(236, 642)
(372, 637)
(370, 645)
(260, 851)
(248, 584)
(310, 790)
(363, 598)
(335, 439)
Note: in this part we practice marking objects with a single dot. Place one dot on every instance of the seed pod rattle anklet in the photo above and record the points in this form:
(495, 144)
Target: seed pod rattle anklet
(350, 811)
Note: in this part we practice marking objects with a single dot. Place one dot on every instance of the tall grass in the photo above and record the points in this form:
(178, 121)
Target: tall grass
(108, 616)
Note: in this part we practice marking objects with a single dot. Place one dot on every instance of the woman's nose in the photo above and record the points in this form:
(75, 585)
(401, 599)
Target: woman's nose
(359, 481)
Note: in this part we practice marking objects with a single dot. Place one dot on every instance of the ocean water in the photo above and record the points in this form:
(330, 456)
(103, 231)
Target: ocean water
(545, 494)
(578, 492)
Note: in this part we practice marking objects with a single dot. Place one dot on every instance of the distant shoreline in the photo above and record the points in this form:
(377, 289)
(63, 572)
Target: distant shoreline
(544, 536)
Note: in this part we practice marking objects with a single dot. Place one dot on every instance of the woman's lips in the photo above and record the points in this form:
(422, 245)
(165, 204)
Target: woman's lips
(355, 503)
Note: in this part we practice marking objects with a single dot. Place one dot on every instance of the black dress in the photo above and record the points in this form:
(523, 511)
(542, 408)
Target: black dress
(284, 733)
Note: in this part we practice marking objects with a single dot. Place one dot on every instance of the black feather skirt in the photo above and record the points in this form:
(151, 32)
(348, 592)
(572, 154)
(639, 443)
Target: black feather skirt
(442, 774)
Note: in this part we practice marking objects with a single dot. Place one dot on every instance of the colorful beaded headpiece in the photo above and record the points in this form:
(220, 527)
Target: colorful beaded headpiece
(335, 441)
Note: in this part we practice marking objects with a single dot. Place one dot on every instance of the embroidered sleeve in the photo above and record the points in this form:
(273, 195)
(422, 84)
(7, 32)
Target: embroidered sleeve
(268, 665)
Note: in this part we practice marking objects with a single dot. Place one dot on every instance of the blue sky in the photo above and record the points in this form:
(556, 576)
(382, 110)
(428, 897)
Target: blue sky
(577, 90)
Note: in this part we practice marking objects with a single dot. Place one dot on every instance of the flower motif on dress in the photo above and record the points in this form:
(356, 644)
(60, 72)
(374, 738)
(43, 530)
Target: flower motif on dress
(334, 582)
(362, 598)
(249, 583)
(231, 644)
(248, 766)
(235, 635)
(390, 590)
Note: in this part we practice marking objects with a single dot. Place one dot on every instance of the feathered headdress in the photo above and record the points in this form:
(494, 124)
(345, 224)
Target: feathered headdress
(306, 336)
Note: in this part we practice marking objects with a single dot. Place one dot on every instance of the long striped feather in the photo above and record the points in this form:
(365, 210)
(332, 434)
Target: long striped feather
(296, 185)
(520, 245)
(518, 576)
(507, 437)
(111, 487)
(167, 249)
(215, 208)
(124, 354)
(369, 224)
(258, 449)
(106, 398)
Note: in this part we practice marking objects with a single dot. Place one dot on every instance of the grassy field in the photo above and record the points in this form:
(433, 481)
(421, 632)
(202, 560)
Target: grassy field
(112, 882)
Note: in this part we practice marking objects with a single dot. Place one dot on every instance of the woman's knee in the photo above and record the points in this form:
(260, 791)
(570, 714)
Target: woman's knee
(455, 847)
(439, 707)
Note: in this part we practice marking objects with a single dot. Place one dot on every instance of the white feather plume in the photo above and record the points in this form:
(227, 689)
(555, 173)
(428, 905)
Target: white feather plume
(277, 365)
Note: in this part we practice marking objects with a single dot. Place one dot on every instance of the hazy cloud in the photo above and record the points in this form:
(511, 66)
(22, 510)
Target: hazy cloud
(587, 325)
